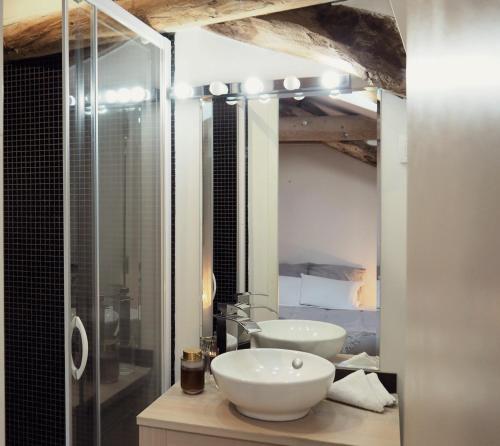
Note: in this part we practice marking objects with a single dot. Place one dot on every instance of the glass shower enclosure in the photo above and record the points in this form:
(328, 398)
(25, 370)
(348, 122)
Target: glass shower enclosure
(117, 177)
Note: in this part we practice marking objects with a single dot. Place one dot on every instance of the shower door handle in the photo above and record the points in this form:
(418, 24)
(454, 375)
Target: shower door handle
(77, 372)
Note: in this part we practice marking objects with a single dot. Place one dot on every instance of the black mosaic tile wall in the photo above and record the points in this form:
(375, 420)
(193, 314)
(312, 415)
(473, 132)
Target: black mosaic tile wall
(225, 211)
(34, 253)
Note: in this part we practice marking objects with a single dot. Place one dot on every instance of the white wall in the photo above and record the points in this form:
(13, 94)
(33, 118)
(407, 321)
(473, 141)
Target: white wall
(328, 211)
(263, 148)
(188, 221)
(203, 57)
(399, 10)
(377, 6)
(393, 204)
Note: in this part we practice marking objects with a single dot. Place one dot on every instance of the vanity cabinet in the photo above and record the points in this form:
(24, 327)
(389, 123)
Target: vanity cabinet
(208, 419)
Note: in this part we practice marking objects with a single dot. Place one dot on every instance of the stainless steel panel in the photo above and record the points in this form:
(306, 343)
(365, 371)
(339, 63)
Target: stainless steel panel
(452, 381)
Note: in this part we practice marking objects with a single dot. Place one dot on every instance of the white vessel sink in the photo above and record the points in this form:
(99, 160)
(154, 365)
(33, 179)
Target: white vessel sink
(320, 338)
(273, 384)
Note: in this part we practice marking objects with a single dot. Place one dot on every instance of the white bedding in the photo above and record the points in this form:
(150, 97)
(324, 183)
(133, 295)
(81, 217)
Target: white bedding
(362, 326)
(350, 320)
(331, 294)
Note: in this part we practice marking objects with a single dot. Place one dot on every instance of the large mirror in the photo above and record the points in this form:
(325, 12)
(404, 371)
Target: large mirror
(295, 207)
(293, 188)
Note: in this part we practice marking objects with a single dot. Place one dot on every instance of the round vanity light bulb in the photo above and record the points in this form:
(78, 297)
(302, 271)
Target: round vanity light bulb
(111, 96)
(299, 96)
(124, 95)
(264, 98)
(138, 94)
(334, 93)
(291, 83)
(231, 101)
(183, 90)
(253, 85)
(331, 79)
(218, 88)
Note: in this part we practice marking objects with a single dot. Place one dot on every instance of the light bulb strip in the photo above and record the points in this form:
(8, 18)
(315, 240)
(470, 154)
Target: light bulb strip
(255, 89)
(134, 95)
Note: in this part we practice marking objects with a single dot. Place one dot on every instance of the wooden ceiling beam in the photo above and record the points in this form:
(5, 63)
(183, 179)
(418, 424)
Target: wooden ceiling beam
(356, 149)
(293, 110)
(327, 128)
(326, 107)
(41, 36)
(361, 42)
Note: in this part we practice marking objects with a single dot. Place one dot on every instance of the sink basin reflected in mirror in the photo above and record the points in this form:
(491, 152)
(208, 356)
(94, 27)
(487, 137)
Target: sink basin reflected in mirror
(273, 384)
(319, 338)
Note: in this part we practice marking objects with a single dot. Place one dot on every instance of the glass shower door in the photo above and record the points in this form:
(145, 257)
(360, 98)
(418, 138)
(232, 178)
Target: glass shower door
(129, 219)
(118, 127)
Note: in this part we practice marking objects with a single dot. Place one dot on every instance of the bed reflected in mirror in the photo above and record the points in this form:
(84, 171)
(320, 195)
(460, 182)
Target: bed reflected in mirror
(312, 206)
(328, 213)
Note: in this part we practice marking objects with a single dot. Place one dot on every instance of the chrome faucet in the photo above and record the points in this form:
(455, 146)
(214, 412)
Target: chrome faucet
(243, 303)
(230, 312)
(240, 313)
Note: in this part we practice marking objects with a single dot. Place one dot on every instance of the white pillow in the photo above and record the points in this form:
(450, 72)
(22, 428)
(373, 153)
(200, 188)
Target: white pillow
(329, 293)
(289, 291)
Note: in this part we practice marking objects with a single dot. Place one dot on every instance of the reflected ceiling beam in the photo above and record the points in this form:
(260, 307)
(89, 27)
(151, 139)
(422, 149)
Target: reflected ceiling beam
(317, 107)
(327, 128)
(309, 109)
(327, 107)
(358, 41)
(41, 35)
(347, 103)
(356, 149)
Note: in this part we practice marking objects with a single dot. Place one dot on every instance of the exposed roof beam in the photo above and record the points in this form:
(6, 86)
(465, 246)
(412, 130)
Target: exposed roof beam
(363, 43)
(346, 103)
(356, 149)
(327, 107)
(327, 128)
(39, 36)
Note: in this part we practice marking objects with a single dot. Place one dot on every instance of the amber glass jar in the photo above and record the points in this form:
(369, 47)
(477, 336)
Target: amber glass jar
(192, 371)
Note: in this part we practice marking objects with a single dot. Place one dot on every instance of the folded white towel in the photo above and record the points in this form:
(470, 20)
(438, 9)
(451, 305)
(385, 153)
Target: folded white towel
(362, 360)
(356, 390)
(383, 395)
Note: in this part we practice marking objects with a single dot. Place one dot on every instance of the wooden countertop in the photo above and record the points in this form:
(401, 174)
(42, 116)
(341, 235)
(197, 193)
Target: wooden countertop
(328, 423)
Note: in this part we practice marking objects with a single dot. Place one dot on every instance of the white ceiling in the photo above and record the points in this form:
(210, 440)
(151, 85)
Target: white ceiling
(378, 6)
(203, 57)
